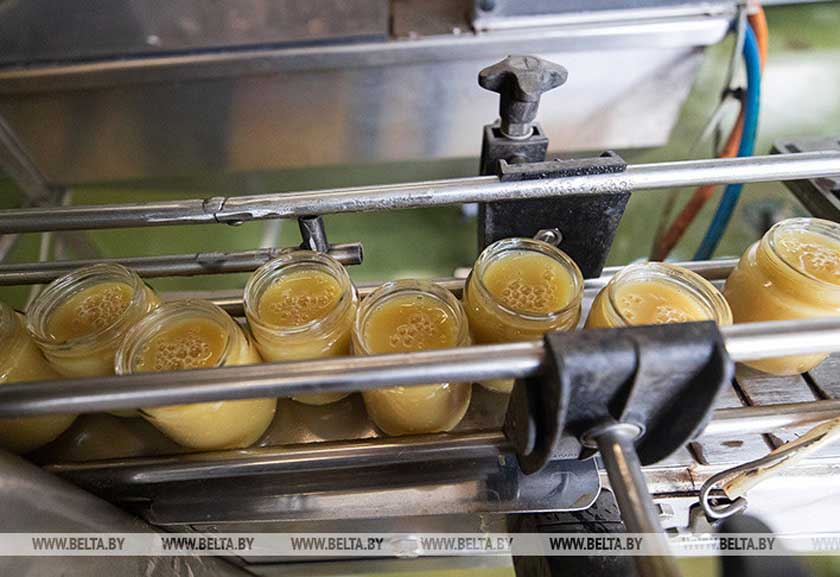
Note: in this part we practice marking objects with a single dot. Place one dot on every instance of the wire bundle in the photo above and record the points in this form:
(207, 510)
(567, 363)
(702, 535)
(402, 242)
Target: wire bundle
(741, 142)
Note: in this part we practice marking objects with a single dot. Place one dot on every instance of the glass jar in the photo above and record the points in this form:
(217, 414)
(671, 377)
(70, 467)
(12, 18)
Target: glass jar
(405, 316)
(655, 293)
(196, 334)
(20, 360)
(793, 272)
(299, 306)
(518, 290)
(80, 319)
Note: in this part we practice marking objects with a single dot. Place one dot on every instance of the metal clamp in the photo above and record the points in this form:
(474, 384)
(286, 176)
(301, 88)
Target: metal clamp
(635, 375)
(588, 223)
(635, 394)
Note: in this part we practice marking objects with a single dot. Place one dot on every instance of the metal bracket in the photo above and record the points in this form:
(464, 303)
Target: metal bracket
(821, 196)
(495, 146)
(608, 163)
(587, 222)
(635, 394)
(313, 236)
(660, 379)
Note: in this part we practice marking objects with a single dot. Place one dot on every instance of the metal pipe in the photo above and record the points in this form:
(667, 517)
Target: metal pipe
(82, 395)
(231, 301)
(514, 360)
(238, 209)
(638, 512)
(167, 265)
(753, 341)
(771, 418)
(313, 234)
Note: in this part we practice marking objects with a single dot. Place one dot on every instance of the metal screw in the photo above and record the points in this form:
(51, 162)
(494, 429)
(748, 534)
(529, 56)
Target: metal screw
(551, 236)
(487, 5)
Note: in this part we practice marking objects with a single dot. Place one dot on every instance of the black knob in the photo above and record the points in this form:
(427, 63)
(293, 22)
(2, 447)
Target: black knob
(521, 80)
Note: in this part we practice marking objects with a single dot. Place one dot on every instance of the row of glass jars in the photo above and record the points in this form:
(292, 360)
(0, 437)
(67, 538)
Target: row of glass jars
(303, 305)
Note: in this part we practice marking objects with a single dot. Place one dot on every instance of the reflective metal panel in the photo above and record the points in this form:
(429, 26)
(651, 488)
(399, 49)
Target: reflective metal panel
(125, 90)
(63, 30)
(292, 119)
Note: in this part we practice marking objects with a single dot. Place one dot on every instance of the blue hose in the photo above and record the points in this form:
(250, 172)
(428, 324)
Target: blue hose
(746, 147)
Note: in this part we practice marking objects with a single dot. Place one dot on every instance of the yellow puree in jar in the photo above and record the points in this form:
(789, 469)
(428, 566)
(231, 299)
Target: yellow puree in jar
(814, 254)
(293, 300)
(20, 360)
(199, 343)
(527, 283)
(761, 289)
(191, 344)
(410, 323)
(649, 303)
(405, 323)
(89, 311)
(298, 298)
(84, 314)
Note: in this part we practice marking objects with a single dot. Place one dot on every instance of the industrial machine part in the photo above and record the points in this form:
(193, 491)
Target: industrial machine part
(620, 393)
(280, 84)
(514, 148)
(461, 470)
(821, 196)
(247, 208)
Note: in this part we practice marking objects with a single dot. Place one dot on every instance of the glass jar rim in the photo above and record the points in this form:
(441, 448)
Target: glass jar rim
(492, 251)
(170, 312)
(701, 289)
(390, 289)
(10, 328)
(265, 276)
(64, 287)
(818, 226)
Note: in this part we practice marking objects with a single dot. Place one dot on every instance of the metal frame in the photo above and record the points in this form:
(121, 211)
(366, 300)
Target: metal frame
(744, 342)
(519, 360)
(169, 265)
(239, 209)
(695, 27)
(346, 374)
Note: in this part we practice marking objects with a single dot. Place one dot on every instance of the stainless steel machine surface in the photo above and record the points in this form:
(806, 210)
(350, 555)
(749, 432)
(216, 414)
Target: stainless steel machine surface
(121, 90)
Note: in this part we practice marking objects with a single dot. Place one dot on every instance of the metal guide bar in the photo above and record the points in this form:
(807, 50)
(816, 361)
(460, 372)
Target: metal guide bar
(239, 209)
(231, 301)
(168, 265)
(247, 261)
(335, 455)
(469, 364)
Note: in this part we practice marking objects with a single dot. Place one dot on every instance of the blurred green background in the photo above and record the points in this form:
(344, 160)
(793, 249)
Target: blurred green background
(799, 98)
